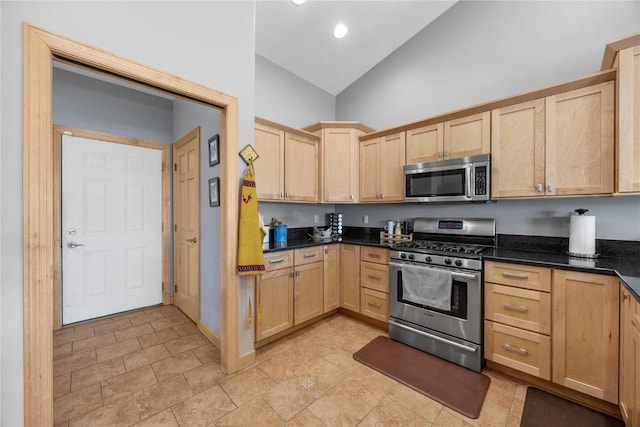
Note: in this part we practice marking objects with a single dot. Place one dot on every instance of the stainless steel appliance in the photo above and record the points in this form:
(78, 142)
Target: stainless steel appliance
(436, 288)
(465, 179)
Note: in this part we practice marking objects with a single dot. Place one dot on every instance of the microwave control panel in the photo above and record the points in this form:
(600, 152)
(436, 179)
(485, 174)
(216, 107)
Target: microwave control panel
(480, 174)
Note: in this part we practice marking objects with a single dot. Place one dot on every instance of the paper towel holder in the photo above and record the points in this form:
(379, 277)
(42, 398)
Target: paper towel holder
(582, 211)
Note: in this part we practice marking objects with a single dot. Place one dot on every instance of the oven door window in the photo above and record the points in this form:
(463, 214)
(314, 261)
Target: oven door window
(439, 183)
(458, 299)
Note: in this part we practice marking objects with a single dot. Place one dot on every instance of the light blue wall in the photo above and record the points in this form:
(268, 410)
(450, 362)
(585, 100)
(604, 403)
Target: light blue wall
(211, 43)
(187, 116)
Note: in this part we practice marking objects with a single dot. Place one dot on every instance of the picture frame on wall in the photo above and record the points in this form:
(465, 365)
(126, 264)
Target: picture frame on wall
(214, 150)
(214, 191)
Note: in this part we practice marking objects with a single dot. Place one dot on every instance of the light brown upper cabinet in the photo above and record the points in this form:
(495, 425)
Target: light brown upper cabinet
(465, 136)
(381, 174)
(339, 156)
(287, 166)
(628, 91)
(560, 145)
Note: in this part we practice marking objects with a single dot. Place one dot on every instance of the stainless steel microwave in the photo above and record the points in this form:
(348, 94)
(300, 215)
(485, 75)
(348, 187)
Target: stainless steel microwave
(466, 179)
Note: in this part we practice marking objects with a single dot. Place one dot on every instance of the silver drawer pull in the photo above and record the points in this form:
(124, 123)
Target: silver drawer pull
(276, 261)
(374, 277)
(513, 307)
(522, 351)
(515, 275)
(374, 304)
(372, 255)
(309, 255)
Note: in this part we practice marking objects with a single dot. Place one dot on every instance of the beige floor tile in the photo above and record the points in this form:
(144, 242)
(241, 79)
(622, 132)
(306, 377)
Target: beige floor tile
(207, 353)
(141, 318)
(93, 322)
(156, 338)
(163, 419)
(368, 385)
(71, 363)
(122, 412)
(115, 325)
(62, 351)
(305, 419)
(176, 315)
(183, 344)
(203, 408)
(118, 349)
(84, 377)
(165, 323)
(282, 346)
(339, 408)
(282, 367)
(184, 329)
(161, 396)
(415, 401)
(389, 413)
(501, 389)
(146, 356)
(254, 413)
(61, 385)
(517, 406)
(93, 343)
(77, 403)
(72, 336)
(291, 396)
(204, 377)
(175, 365)
(446, 418)
(246, 385)
(343, 359)
(129, 383)
(134, 331)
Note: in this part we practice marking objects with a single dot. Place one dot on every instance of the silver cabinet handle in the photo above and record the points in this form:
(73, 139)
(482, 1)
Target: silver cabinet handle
(374, 255)
(73, 245)
(351, 196)
(446, 154)
(286, 195)
(309, 255)
(276, 261)
(509, 347)
(439, 154)
(515, 275)
(374, 277)
(282, 194)
(550, 188)
(518, 308)
(374, 304)
(625, 297)
(194, 240)
(539, 188)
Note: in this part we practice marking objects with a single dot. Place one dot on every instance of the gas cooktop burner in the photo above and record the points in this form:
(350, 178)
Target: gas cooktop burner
(427, 245)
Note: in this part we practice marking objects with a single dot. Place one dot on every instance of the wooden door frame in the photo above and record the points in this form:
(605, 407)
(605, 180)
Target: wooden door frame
(40, 46)
(58, 132)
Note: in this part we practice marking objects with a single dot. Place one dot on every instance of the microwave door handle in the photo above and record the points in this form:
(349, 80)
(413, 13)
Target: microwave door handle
(467, 187)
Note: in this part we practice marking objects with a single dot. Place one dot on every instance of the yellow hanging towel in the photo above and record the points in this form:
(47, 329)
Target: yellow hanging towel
(250, 233)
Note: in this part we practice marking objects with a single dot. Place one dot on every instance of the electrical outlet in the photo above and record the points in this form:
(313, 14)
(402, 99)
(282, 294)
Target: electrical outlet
(365, 219)
(316, 219)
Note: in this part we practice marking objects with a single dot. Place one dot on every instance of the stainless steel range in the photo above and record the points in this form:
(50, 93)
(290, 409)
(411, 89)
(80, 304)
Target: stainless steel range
(436, 291)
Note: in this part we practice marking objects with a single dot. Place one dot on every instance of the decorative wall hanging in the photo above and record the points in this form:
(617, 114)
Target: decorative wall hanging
(214, 191)
(214, 152)
(248, 154)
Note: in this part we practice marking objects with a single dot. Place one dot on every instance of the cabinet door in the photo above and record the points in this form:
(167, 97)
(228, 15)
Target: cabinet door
(391, 167)
(274, 302)
(340, 165)
(370, 170)
(628, 92)
(517, 150)
(350, 277)
(331, 277)
(308, 292)
(585, 333)
(467, 136)
(269, 168)
(301, 168)
(628, 357)
(579, 141)
(425, 144)
(375, 304)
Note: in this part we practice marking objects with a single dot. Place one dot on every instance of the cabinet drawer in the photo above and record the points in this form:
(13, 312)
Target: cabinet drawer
(518, 349)
(308, 255)
(521, 276)
(371, 254)
(278, 260)
(374, 276)
(374, 304)
(522, 308)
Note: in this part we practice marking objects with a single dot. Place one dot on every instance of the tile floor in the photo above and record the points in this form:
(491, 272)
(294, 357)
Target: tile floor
(153, 368)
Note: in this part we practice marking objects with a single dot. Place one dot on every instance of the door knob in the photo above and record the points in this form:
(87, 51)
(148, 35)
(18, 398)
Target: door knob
(194, 240)
(73, 245)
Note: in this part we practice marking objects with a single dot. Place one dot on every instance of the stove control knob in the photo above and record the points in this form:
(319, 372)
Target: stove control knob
(411, 256)
(458, 262)
(403, 255)
(447, 261)
(428, 259)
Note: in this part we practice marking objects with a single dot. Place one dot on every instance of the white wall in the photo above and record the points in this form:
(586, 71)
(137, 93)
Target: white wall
(286, 98)
(188, 115)
(188, 39)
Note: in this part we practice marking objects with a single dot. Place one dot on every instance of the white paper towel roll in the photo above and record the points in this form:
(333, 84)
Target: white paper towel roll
(582, 234)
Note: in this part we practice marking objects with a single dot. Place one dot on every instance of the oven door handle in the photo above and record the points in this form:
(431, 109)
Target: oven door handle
(465, 275)
(427, 267)
(435, 337)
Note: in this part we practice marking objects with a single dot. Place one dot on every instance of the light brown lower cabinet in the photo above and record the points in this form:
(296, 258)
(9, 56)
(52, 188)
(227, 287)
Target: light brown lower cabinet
(629, 358)
(374, 304)
(350, 277)
(308, 294)
(274, 300)
(331, 277)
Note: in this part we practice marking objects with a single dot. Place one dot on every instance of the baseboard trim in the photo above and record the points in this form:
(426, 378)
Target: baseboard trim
(209, 334)
(247, 359)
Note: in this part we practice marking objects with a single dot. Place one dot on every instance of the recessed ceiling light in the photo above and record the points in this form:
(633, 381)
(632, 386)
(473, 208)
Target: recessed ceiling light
(298, 2)
(340, 31)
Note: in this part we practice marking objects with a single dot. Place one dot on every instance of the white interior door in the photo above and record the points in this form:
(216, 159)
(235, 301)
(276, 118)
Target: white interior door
(111, 228)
